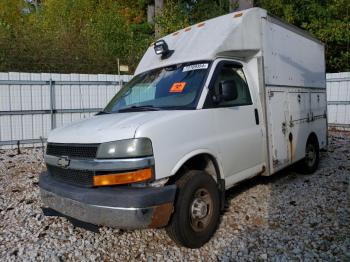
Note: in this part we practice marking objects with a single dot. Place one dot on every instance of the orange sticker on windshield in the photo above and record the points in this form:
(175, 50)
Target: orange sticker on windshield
(177, 87)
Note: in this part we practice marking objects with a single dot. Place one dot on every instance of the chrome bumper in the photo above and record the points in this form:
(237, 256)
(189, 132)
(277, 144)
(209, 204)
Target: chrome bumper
(119, 217)
(103, 164)
(126, 208)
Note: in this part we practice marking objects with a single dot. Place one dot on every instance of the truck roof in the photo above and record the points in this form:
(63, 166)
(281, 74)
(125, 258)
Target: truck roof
(238, 35)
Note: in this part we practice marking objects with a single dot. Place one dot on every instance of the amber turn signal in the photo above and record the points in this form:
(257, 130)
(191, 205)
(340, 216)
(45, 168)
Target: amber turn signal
(123, 178)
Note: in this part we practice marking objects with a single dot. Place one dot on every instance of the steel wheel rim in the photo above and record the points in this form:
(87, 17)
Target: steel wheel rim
(201, 210)
(310, 155)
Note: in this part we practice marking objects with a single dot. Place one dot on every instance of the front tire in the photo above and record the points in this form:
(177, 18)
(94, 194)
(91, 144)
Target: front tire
(197, 210)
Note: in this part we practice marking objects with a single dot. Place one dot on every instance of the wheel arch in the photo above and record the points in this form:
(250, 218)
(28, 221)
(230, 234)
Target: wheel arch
(313, 136)
(198, 160)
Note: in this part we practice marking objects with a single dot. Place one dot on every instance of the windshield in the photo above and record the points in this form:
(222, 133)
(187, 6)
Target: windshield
(173, 87)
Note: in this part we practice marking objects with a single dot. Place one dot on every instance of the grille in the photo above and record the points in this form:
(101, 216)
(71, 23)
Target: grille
(74, 177)
(72, 150)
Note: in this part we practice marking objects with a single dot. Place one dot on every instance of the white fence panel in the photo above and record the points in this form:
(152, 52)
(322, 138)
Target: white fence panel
(31, 104)
(338, 99)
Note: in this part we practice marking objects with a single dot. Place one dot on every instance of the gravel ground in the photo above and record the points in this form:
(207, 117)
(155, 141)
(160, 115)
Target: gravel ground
(280, 218)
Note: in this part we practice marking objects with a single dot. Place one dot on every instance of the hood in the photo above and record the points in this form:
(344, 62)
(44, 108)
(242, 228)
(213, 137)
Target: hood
(99, 129)
(103, 128)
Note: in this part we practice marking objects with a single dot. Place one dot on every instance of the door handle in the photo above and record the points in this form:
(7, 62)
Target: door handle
(256, 113)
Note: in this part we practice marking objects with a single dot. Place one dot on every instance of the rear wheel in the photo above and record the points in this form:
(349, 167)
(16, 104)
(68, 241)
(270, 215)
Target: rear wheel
(312, 156)
(197, 210)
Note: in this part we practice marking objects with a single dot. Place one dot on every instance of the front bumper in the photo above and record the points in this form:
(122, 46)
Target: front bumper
(119, 207)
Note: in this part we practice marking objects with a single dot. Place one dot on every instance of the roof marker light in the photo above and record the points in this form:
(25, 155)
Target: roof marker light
(201, 24)
(237, 15)
(187, 29)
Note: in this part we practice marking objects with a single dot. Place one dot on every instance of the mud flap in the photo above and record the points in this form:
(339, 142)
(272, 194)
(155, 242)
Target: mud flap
(221, 188)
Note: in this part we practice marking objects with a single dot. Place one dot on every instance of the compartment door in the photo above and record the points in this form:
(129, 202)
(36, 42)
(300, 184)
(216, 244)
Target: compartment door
(318, 105)
(277, 106)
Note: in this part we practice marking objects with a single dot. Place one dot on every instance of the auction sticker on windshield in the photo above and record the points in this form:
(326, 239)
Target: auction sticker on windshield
(195, 67)
(177, 87)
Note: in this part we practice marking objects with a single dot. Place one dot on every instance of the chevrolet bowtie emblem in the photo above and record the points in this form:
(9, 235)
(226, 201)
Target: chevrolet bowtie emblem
(63, 161)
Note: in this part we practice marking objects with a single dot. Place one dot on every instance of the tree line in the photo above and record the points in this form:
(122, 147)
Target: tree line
(89, 36)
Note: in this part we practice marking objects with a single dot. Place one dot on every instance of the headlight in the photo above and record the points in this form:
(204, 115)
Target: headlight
(136, 147)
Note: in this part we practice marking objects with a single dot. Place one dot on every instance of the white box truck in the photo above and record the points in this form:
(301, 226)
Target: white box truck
(211, 105)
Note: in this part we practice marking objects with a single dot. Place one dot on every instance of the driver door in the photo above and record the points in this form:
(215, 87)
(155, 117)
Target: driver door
(239, 133)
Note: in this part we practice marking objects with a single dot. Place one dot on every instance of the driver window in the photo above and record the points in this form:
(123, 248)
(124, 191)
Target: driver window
(231, 72)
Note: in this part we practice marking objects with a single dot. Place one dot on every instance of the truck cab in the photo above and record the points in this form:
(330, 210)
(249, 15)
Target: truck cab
(199, 116)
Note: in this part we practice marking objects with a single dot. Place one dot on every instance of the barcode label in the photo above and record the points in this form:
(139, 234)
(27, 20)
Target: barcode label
(195, 67)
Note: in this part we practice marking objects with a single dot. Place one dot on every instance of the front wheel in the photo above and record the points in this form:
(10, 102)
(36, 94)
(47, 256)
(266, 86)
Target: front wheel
(197, 210)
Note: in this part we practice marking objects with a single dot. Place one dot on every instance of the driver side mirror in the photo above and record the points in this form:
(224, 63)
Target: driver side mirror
(227, 91)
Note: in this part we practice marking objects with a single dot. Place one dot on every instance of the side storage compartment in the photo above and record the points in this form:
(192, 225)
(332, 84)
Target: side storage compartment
(289, 116)
(292, 115)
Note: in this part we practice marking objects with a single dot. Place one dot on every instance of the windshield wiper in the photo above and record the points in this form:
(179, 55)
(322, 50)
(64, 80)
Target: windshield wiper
(102, 113)
(139, 108)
